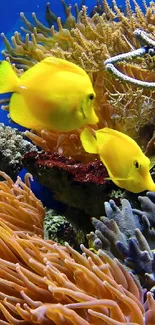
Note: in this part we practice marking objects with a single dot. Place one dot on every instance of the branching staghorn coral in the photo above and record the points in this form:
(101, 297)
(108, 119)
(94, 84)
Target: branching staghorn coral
(99, 29)
(88, 42)
(129, 235)
(19, 208)
(147, 204)
(45, 283)
(139, 257)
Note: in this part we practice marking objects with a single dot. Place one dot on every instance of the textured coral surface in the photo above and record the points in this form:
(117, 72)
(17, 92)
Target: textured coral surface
(13, 145)
(129, 235)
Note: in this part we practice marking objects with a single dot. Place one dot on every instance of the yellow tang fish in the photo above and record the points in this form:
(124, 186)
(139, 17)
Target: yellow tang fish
(53, 94)
(127, 165)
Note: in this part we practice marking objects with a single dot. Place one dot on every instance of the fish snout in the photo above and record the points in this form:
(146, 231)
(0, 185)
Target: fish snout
(92, 117)
(149, 183)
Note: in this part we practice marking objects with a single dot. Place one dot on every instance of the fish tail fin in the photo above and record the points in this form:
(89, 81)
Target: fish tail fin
(89, 141)
(9, 81)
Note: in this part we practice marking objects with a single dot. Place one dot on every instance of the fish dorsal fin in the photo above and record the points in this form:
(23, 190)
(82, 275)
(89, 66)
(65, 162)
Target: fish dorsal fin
(117, 135)
(55, 64)
(114, 133)
(62, 64)
(33, 72)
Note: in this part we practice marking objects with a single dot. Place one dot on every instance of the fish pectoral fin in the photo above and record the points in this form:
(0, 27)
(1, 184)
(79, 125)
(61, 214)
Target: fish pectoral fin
(20, 113)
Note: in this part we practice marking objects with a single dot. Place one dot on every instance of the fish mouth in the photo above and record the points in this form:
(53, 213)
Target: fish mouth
(83, 113)
(93, 119)
(148, 181)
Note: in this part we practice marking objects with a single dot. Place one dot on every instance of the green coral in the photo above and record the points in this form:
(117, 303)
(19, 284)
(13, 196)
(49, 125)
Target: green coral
(58, 228)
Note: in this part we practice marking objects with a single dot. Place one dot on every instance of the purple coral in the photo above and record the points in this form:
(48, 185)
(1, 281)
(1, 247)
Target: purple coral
(148, 207)
(128, 235)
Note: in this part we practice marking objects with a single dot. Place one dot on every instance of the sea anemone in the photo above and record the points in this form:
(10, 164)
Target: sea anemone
(41, 281)
(19, 208)
(46, 283)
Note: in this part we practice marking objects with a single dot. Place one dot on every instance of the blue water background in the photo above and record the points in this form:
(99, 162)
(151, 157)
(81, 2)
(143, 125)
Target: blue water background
(10, 21)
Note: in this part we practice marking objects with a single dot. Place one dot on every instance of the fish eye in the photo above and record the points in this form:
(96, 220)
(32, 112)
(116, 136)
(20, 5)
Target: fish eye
(137, 165)
(91, 96)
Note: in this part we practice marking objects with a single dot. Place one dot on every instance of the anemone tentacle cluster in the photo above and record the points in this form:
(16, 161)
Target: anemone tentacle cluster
(19, 208)
(46, 283)
(41, 281)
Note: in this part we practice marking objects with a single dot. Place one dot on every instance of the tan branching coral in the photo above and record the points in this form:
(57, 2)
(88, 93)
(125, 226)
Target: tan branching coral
(88, 41)
(19, 208)
(45, 283)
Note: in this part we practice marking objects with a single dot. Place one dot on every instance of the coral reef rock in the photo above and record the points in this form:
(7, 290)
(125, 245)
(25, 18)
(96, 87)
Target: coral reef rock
(82, 186)
(13, 145)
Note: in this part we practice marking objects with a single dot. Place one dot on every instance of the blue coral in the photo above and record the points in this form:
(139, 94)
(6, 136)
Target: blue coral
(128, 234)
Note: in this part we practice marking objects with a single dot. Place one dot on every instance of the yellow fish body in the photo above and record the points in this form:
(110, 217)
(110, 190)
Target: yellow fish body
(127, 165)
(53, 94)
